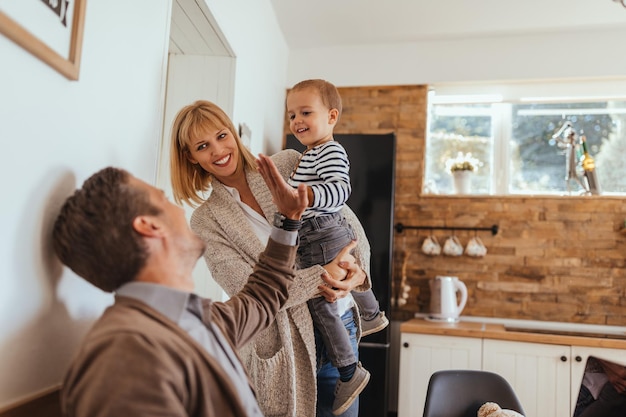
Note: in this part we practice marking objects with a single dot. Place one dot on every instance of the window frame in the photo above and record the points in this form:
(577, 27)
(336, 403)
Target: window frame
(502, 98)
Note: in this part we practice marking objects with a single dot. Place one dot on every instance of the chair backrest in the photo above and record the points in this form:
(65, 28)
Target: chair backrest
(460, 393)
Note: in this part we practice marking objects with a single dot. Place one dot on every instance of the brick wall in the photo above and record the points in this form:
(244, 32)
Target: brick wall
(557, 258)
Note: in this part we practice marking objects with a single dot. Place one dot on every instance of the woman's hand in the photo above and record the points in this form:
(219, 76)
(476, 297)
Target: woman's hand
(342, 275)
(290, 202)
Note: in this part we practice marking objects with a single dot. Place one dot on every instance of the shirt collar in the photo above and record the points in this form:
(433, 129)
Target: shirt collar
(166, 300)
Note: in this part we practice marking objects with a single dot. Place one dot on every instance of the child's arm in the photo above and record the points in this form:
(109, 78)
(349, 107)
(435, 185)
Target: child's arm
(333, 168)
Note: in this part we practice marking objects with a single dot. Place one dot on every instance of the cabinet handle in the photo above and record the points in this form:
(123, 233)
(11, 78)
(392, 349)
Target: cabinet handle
(563, 359)
(578, 359)
(405, 344)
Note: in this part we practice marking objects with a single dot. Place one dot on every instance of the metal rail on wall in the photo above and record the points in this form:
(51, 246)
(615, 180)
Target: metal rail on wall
(401, 227)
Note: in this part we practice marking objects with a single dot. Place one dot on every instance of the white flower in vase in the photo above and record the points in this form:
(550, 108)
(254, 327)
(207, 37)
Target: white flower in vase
(461, 168)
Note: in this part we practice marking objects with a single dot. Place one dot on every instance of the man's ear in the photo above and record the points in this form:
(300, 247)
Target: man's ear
(148, 226)
(333, 116)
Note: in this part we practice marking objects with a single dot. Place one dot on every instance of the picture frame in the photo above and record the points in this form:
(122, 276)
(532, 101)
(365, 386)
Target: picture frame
(42, 29)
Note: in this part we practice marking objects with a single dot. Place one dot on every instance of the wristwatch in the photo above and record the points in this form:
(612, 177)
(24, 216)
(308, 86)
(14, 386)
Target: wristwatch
(284, 223)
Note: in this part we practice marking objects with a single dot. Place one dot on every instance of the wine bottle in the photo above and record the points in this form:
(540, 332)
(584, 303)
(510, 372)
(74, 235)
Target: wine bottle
(589, 166)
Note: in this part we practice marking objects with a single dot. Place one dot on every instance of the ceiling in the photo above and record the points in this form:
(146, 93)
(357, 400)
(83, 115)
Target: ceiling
(324, 23)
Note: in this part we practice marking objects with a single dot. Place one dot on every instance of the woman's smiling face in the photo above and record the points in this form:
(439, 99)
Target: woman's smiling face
(217, 153)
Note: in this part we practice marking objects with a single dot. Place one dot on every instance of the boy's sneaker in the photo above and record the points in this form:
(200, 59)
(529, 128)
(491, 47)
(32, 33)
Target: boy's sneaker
(374, 325)
(347, 392)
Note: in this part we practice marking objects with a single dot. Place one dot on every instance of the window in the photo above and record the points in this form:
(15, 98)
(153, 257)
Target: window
(516, 146)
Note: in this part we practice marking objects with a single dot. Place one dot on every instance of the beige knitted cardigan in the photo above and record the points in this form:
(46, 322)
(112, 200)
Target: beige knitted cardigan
(281, 360)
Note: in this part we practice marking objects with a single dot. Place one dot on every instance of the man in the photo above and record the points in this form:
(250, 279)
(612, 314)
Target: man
(160, 349)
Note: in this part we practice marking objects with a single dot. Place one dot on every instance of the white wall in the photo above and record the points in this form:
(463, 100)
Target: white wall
(555, 55)
(262, 55)
(55, 133)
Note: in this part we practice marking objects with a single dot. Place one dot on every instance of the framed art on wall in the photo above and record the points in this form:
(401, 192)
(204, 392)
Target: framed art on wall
(51, 30)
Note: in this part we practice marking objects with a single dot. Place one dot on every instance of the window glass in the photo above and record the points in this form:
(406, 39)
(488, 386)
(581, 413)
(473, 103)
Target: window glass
(453, 130)
(542, 159)
(521, 148)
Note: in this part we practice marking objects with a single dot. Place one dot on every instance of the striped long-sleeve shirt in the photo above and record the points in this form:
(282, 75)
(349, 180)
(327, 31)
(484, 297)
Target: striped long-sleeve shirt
(326, 169)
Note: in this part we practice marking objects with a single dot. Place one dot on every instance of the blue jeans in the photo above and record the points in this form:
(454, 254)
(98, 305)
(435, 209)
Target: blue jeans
(328, 375)
(321, 240)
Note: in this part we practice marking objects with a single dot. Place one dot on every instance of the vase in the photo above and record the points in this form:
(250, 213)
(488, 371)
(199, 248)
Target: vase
(462, 181)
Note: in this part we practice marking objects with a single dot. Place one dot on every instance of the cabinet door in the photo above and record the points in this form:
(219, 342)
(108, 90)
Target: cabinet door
(539, 374)
(580, 354)
(422, 355)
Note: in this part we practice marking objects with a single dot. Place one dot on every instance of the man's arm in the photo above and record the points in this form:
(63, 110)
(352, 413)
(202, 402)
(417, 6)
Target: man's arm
(254, 308)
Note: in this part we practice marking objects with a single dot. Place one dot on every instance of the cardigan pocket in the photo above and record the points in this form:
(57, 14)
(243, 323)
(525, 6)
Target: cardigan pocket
(270, 363)
(274, 381)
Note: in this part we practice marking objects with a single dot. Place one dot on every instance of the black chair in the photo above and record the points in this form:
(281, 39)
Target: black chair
(460, 393)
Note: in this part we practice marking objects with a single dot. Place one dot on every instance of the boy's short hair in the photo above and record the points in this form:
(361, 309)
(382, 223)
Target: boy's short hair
(327, 91)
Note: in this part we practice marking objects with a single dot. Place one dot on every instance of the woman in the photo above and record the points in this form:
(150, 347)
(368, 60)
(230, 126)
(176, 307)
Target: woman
(235, 220)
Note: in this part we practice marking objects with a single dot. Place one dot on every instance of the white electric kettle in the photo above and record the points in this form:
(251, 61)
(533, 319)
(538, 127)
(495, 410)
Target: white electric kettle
(444, 304)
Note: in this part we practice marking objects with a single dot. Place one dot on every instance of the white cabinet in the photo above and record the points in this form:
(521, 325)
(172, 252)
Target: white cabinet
(421, 355)
(539, 374)
(546, 377)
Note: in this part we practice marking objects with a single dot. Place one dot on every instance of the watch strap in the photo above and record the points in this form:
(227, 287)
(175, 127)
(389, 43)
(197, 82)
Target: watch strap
(284, 223)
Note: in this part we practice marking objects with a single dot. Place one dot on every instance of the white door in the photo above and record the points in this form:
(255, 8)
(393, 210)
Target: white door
(200, 66)
(191, 78)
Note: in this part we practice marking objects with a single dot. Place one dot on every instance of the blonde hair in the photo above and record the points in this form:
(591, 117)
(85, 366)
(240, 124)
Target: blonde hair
(327, 91)
(192, 122)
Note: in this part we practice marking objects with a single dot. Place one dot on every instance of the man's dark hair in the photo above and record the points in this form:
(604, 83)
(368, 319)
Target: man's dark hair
(94, 235)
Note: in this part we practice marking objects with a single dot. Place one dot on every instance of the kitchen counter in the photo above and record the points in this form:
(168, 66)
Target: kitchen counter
(523, 331)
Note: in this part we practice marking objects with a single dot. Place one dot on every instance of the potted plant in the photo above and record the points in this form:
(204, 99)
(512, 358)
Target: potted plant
(461, 168)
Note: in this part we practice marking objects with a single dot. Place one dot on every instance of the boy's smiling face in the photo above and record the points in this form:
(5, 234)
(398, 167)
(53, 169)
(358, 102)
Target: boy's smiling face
(310, 120)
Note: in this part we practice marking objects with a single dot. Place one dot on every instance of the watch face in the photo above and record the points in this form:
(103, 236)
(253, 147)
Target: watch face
(278, 219)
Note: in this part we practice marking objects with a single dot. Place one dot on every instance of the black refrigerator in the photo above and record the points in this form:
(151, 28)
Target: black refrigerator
(372, 173)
